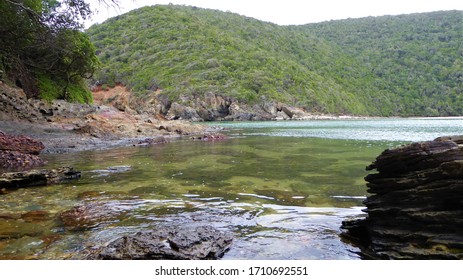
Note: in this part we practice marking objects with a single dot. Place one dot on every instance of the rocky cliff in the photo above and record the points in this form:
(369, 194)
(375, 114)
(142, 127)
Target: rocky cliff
(201, 107)
(415, 210)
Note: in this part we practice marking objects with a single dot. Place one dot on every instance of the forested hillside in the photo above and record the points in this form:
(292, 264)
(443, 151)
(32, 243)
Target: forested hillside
(407, 65)
(417, 57)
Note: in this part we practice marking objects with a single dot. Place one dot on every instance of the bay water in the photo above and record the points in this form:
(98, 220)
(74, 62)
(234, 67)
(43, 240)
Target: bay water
(282, 188)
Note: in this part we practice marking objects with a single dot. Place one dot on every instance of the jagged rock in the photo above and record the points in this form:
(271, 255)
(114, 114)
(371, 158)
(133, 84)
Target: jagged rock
(281, 116)
(14, 180)
(293, 112)
(416, 207)
(456, 138)
(153, 141)
(163, 104)
(167, 243)
(213, 106)
(416, 156)
(182, 112)
(238, 113)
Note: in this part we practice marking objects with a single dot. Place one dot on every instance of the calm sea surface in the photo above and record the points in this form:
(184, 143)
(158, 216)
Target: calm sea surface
(282, 188)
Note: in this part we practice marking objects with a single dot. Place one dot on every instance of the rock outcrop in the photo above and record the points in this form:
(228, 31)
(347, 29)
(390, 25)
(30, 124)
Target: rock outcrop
(14, 105)
(205, 107)
(167, 243)
(416, 207)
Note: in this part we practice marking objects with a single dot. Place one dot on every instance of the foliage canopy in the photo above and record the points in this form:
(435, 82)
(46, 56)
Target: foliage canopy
(43, 50)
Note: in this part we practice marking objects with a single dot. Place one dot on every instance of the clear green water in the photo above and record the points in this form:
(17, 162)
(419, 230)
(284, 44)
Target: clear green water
(282, 188)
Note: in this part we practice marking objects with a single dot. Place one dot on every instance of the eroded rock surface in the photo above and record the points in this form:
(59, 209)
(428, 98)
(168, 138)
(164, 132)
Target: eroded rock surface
(416, 207)
(167, 243)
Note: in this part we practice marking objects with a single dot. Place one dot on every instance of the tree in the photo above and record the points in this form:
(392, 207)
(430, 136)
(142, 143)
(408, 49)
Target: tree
(43, 38)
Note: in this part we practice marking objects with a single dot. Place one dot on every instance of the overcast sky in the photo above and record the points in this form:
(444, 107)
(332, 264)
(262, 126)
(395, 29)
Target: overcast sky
(285, 12)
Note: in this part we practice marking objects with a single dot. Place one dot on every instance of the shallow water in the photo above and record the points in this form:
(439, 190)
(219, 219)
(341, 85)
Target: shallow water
(282, 188)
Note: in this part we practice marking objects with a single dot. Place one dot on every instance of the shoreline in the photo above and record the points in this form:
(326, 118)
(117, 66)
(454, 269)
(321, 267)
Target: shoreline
(60, 138)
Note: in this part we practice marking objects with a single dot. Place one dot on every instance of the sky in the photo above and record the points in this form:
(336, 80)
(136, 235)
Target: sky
(287, 12)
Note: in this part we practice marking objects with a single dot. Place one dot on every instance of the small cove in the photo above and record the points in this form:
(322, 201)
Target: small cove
(282, 188)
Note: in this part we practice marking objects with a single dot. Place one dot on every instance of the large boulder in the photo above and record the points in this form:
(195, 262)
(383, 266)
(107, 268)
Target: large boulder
(416, 207)
(167, 243)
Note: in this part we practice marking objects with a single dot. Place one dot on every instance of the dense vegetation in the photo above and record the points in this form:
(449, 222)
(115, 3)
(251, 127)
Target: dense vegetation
(42, 49)
(418, 57)
(185, 50)
(405, 65)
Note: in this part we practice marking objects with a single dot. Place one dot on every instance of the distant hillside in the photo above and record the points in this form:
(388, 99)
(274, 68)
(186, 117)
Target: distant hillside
(417, 57)
(374, 66)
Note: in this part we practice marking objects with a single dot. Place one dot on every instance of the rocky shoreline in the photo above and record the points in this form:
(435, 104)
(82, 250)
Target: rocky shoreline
(414, 211)
(68, 127)
(30, 127)
(206, 107)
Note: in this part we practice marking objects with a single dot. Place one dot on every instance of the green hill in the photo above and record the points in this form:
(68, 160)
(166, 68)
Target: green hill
(417, 57)
(340, 67)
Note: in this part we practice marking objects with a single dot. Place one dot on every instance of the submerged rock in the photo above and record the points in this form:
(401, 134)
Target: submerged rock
(152, 141)
(14, 180)
(93, 214)
(211, 137)
(167, 243)
(416, 207)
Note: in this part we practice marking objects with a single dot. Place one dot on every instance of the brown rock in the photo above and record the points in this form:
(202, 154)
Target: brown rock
(22, 144)
(12, 160)
(36, 216)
